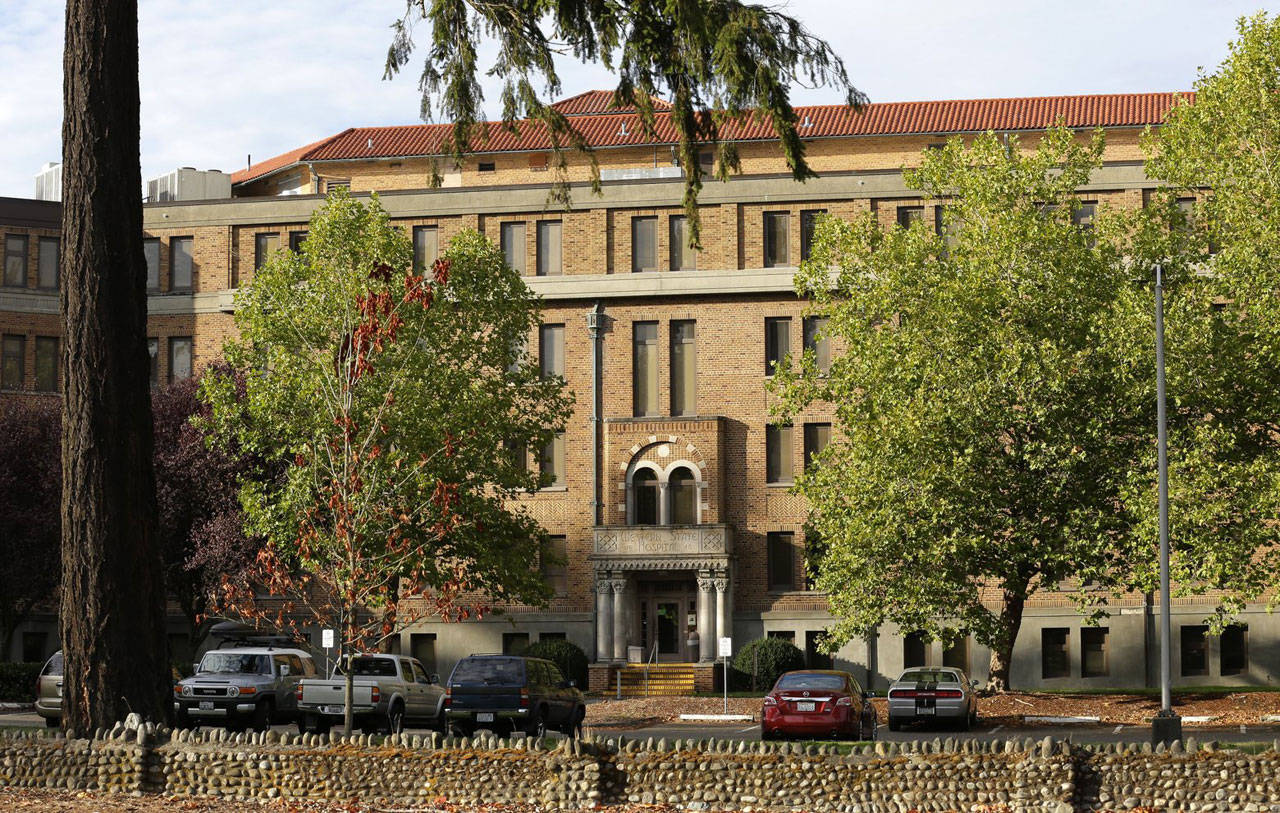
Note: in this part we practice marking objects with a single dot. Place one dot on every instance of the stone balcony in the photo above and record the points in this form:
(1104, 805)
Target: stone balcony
(662, 547)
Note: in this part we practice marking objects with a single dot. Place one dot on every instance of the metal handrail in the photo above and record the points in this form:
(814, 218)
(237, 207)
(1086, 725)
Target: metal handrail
(653, 653)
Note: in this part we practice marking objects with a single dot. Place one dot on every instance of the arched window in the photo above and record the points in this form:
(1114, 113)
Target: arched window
(683, 489)
(644, 485)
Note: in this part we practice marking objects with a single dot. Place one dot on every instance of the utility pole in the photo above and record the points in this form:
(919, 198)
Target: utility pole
(1166, 727)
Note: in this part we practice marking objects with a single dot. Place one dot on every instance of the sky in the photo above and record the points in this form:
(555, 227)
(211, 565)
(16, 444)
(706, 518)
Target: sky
(226, 80)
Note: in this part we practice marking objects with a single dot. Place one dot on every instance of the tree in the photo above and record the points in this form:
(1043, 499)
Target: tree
(1222, 148)
(197, 489)
(396, 402)
(721, 62)
(984, 397)
(113, 620)
(30, 495)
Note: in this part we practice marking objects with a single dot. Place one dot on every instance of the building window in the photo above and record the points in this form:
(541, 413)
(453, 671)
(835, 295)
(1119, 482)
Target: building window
(777, 452)
(1084, 214)
(781, 561)
(426, 247)
(684, 369)
(914, 648)
(956, 656)
(151, 252)
(551, 462)
(15, 260)
(808, 225)
(644, 495)
(554, 564)
(179, 358)
(815, 339)
(683, 258)
(1195, 650)
(549, 237)
(1094, 652)
(644, 244)
(682, 489)
(1054, 662)
(910, 214)
(551, 350)
(777, 239)
(13, 357)
(814, 657)
(46, 363)
(264, 245)
(296, 239)
(777, 342)
(333, 184)
(180, 264)
(47, 269)
(644, 369)
(513, 245)
(153, 357)
(1234, 650)
(486, 166)
(514, 643)
(816, 438)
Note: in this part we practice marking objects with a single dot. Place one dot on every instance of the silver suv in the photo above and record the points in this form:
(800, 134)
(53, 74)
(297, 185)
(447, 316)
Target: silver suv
(49, 691)
(238, 686)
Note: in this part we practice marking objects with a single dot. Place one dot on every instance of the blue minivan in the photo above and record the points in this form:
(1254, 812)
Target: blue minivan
(506, 693)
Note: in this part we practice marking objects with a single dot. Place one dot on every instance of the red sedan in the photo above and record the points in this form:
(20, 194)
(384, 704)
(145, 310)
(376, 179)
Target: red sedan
(818, 703)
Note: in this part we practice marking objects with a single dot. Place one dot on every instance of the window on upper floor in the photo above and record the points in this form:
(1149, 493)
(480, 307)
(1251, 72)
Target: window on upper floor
(682, 490)
(47, 266)
(181, 265)
(554, 564)
(777, 239)
(1054, 660)
(684, 368)
(1094, 651)
(1233, 650)
(808, 225)
(777, 342)
(15, 260)
(549, 248)
(644, 244)
(551, 350)
(265, 244)
(151, 253)
(777, 444)
(815, 339)
(513, 245)
(644, 495)
(781, 561)
(907, 215)
(180, 358)
(296, 239)
(683, 258)
(333, 184)
(816, 438)
(644, 369)
(47, 359)
(486, 166)
(153, 356)
(426, 247)
(551, 462)
(13, 362)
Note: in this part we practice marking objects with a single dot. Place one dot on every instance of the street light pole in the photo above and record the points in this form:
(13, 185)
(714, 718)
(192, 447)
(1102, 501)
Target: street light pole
(1166, 727)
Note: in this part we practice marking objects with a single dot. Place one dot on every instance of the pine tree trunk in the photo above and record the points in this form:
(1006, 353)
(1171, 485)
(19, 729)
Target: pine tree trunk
(1002, 652)
(113, 611)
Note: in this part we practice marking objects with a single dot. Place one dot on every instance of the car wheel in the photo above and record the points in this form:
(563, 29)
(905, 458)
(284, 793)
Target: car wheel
(573, 728)
(395, 719)
(537, 724)
(52, 722)
(894, 723)
(767, 735)
(441, 722)
(262, 716)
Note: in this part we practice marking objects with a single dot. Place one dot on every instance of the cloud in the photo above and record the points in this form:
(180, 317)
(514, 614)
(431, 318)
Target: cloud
(220, 81)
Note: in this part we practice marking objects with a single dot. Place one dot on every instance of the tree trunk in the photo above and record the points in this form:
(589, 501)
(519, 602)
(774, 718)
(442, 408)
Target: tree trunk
(1002, 651)
(113, 610)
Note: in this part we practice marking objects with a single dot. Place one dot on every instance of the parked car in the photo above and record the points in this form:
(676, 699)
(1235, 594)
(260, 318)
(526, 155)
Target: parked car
(245, 685)
(49, 691)
(932, 694)
(505, 692)
(818, 703)
(388, 693)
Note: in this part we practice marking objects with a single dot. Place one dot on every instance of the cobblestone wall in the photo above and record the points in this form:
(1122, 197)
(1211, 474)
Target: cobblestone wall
(938, 775)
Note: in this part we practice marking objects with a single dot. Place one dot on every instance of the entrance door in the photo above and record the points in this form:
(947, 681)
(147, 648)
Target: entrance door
(666, 611)
(667, 615)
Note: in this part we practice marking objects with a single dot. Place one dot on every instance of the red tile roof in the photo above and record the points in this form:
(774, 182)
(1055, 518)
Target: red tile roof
(620, 129)
(595, 102)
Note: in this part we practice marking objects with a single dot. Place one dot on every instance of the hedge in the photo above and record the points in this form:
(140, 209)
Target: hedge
(767, 658)
(565, 654)
(18, 682)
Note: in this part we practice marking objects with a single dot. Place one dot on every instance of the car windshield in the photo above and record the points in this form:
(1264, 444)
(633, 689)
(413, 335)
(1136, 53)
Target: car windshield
(929, 676)
(235, 663)
(803, 681)
(488, 672)
(373, 667)
(54, 667)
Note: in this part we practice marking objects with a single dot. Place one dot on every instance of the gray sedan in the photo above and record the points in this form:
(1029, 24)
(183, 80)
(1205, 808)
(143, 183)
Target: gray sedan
(933, 694)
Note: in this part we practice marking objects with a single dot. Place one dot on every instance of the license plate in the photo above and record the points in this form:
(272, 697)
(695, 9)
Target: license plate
(206, 705)
(332, 709)
(926, 710)
(804, 705)
(484, 717)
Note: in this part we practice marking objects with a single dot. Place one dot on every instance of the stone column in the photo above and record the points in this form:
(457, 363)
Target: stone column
(619, 620)
(706, 624)
(664, 504)
(723, 628)
(604, 620)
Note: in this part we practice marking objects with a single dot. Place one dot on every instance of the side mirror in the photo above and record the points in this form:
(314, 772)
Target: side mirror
(284, 670)
(195, 667)
(434, 678)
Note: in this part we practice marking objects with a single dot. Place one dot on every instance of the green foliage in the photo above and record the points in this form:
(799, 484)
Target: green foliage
(767, 659)
(392, 400)
(717, 60)
(984, 393)
(18, 682)
(565, 654)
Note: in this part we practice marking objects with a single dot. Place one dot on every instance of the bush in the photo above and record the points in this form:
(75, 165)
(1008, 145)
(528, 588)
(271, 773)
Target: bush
(18, 682)
(565, 654)
(768, 658)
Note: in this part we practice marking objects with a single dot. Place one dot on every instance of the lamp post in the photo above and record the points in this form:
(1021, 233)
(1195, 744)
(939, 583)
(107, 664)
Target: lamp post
(1166, 727)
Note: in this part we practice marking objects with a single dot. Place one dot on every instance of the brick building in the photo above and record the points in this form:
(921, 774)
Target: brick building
(671, 502)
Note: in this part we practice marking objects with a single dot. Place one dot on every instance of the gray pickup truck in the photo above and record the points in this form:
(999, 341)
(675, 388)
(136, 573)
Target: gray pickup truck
(388, 693)
(237, 686)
